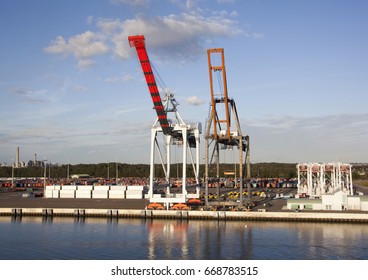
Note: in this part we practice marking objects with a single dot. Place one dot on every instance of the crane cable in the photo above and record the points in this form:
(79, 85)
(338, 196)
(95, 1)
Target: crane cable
(159, 79)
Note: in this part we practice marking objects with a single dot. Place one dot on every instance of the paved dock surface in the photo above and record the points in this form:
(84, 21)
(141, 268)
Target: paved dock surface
(15, 200)
(12, 203)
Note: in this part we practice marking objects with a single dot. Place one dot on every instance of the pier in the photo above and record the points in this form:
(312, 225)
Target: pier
(190, 215)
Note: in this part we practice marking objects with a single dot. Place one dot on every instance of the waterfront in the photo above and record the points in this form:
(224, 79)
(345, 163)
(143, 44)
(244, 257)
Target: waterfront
(68, 238)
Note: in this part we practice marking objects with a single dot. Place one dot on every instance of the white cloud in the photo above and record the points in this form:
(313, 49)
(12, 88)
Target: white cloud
(187, 4)
(318, 138)
(82, 46)
(292, 123)
(190, 3)
(194, 100)
(224, 13)
(109, 26)
(33, 96)
(125, 111)
(234, 14)
(121, 49)
(172, 37)
(86, 63)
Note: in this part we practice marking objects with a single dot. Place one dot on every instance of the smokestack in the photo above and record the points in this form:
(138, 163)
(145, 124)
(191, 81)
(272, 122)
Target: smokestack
(35, 159)
(17, 157)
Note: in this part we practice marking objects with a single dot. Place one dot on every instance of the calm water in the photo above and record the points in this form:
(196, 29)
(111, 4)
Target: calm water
(92, 238)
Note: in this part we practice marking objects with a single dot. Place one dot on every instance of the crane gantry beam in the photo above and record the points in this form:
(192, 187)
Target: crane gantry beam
(215, 101)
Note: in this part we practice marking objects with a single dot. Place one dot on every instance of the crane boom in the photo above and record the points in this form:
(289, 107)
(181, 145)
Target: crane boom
(139, 43)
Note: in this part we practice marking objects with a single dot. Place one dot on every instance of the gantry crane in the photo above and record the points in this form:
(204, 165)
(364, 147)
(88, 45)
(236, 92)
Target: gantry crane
(173, 132)
(219, 130)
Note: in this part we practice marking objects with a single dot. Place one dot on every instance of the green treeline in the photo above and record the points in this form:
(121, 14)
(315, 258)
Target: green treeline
(142, 170)
(105, 170)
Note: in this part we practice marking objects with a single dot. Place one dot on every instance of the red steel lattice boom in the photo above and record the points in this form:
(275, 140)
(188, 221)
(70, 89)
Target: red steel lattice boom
(139, 43)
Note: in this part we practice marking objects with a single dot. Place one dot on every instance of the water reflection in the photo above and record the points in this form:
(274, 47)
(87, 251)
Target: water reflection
(102, 238)
(167, 240)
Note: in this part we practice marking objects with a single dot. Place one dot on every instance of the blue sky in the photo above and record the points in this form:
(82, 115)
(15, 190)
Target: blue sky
(72, 90)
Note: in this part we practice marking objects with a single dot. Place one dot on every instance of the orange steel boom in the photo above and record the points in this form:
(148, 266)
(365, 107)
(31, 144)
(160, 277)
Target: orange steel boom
(139, 43)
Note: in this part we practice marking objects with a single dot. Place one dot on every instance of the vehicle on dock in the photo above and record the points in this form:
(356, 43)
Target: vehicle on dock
(155, 206)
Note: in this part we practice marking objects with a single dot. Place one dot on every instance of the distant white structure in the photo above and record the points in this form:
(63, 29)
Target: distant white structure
(317, 179)
(326, 186)
(80, 176)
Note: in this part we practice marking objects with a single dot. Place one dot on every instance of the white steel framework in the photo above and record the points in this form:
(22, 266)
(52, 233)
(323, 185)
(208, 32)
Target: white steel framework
(316, 179)
(189, 141)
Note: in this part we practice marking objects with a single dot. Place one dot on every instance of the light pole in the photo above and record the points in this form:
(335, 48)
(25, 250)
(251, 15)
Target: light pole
(116, 173)
(12, 173)
(44, 177)
(234, 167)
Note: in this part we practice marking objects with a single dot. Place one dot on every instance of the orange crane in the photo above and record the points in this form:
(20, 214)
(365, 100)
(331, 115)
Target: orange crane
(219, 129)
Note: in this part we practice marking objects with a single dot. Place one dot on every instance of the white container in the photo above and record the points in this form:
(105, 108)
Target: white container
(117, 188)
(57, 187)
(102, 188)
(48, 193)
(135, 188)
(50, 187)
(134, 192)
(116, 194)
(67, 194)
(85, 188)
(55, 194)
(83, 193)
(69, 188)
(100, 194)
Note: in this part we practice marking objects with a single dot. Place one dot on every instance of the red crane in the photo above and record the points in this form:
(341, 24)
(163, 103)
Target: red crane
(176, 132)
(139, 43)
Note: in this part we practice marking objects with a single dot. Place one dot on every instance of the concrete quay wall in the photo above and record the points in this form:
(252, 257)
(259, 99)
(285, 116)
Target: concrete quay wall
(190, 215)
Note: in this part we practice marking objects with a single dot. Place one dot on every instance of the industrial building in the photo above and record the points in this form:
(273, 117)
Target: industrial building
(24, 164)
(335, 202)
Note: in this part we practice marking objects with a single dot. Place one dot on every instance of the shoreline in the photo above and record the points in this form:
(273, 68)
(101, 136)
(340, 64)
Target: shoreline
(328, 217)
(13, 204)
